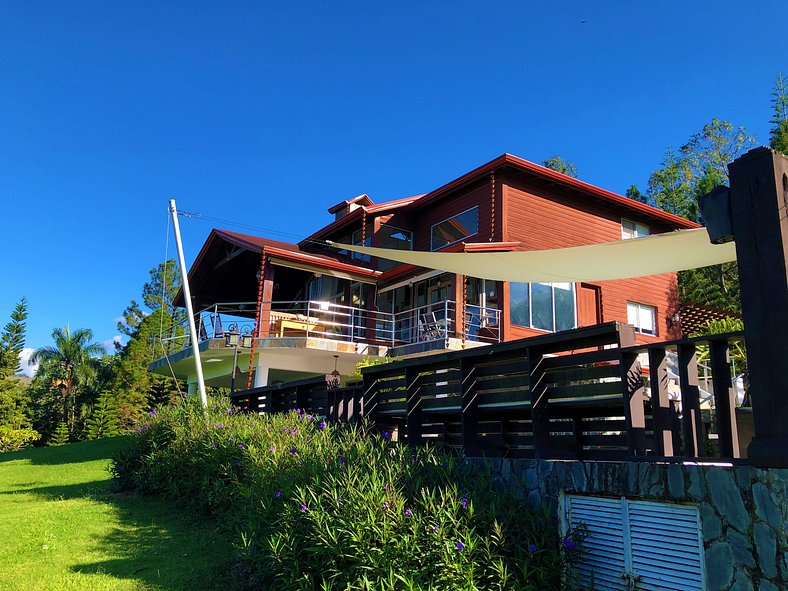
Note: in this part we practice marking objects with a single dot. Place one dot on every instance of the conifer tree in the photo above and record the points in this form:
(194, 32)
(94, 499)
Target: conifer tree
(60, 436)
(103, 421)
(778, 139)
(12, 340)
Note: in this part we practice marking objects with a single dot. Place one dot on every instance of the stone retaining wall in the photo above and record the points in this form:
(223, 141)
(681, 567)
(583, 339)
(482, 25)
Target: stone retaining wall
(744, 510)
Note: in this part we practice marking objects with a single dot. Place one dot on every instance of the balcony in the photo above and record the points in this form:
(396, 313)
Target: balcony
(349, 328)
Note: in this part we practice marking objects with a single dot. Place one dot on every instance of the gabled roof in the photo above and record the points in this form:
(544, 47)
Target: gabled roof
(361, 200)
(356, 214)
(547, 174)
(280, 252)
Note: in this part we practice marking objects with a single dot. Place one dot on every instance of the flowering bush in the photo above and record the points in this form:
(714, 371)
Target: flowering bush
(333, 506)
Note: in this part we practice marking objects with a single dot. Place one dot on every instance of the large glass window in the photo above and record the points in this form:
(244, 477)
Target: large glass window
(546, 306)
(455, 228)
(391, 237)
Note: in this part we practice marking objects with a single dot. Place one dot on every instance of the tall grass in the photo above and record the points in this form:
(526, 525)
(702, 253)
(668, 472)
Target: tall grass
(334, 506)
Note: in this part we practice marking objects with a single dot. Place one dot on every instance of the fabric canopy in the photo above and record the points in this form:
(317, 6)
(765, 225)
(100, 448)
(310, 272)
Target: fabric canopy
(636, 257)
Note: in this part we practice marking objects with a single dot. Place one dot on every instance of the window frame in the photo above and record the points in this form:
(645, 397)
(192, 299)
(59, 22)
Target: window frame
(637, 326)
(530, 305)
(635, 229)
(432, 229)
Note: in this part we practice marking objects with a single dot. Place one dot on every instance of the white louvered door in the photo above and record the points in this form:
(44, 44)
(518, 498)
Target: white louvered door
(641, 545)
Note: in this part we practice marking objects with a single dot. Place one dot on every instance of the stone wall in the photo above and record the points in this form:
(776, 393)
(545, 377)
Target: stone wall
(744, 510)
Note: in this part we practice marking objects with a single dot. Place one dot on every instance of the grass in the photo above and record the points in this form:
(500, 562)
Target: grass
(64, 528)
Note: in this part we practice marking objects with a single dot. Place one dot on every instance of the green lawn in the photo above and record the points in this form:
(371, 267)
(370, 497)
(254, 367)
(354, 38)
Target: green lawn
(62, 527)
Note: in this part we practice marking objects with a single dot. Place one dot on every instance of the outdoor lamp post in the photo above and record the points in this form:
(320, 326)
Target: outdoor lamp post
(231, 339)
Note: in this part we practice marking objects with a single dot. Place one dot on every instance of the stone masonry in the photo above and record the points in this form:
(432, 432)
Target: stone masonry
(744, 510)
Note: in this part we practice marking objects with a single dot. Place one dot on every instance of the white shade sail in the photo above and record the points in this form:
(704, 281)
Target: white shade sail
(637, 257)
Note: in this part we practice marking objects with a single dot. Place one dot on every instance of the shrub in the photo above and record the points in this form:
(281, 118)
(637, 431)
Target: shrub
(322, 506)
(14, 439)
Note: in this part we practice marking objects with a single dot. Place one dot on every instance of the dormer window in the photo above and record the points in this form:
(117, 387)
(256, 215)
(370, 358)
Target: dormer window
(630, 229)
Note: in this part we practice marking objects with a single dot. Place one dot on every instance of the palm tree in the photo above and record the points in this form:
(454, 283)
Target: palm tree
(71, 359)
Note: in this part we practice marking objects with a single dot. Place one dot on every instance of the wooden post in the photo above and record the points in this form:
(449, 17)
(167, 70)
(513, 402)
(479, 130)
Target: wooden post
(724, 399)
(660, 402)
(540, 417)
(413, 398)
(690, 401)
(634, 404)
(759, 207)
(470, 409)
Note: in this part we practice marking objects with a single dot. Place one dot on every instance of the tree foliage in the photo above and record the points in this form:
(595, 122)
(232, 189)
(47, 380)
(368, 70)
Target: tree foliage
(12, 340)
(60, 436)
(137, 389)
(560, 164)
(103, 421)
(778, 136)
(71, 364)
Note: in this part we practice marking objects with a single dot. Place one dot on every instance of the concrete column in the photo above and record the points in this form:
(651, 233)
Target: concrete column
(759, 207)
(261, 374)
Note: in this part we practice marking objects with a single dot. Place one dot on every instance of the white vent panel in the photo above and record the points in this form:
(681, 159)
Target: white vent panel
(653, 546)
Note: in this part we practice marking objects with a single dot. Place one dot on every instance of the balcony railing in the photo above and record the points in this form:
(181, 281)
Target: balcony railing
(329, 320)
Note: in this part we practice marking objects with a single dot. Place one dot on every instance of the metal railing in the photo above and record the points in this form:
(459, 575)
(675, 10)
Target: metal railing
(330, 320)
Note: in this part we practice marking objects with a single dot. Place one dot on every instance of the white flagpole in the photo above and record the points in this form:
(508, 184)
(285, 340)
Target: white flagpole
(187, 297)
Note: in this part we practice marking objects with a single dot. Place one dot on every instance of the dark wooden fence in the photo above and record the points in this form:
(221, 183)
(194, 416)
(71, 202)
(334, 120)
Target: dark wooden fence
(577, 394)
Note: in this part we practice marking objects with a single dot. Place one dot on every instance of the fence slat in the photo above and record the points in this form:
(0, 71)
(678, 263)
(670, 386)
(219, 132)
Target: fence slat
(660, 402)
(692, 425)
(724, 398)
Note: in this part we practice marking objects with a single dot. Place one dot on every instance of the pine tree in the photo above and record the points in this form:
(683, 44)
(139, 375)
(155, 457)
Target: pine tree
(12, 340)
(779, 133)
(60, 436)
(103, 422)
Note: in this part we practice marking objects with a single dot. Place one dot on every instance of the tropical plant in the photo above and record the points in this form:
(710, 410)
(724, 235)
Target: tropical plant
(72, 362)
(15, 439)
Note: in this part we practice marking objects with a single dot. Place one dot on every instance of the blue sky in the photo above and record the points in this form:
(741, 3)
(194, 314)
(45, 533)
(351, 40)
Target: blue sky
(270, 114)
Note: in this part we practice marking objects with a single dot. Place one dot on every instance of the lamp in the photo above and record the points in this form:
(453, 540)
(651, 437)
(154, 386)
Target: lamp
(231, 335)
(246, 340)
(333, 378)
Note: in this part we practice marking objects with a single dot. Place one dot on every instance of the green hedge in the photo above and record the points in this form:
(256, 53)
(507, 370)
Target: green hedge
(333, 506)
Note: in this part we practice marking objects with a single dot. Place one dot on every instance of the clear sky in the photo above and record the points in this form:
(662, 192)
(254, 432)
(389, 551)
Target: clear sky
(270, 114)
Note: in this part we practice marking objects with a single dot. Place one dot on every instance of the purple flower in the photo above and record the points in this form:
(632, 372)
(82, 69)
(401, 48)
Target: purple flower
(287, 429)
(293, 432)
(386, 435)
(308, 416)
(569, 544)
(341, 461)
(145, 426)
(213, 446)
(464, 504)
(298, 411)
(230, 440)
(322, 425)
(459, 546)
(532, 548)
(339, 500)
(385, 487)
(385, 505)
(436, 528)
(277, 494)
(408, 513)
(293, 450)
(303, 508)
(272, 448)
(139, 429)
(241, 446)
(152, 413)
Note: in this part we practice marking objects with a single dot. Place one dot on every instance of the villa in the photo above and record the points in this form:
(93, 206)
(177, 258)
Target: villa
(305, 309)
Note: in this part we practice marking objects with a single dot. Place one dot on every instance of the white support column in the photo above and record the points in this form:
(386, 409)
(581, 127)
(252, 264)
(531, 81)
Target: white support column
(261, 374)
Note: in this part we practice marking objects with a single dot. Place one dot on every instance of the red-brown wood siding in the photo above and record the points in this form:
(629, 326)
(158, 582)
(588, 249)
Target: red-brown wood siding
(541, 219)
